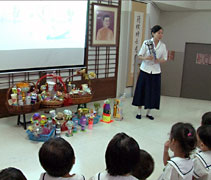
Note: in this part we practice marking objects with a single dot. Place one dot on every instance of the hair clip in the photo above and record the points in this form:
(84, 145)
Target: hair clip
(189, 134)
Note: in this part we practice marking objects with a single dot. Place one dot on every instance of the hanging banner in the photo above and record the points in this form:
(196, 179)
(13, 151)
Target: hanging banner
(137, 37)
(137, 30)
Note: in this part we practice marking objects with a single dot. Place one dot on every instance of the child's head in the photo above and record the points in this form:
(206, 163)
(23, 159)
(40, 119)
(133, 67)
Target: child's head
(185, 135)
(11, 174)
(57, 157)
(204, 137)
(206, 119)
(122, 155)
(145, 166)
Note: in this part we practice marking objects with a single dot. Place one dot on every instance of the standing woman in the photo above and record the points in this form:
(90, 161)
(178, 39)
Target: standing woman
(148, 87)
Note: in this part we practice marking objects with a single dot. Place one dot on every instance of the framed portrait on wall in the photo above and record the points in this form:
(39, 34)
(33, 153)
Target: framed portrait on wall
(104, 25)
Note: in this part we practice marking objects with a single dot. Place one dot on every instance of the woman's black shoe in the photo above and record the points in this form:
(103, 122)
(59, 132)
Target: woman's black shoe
(138, 116)
(150, 117)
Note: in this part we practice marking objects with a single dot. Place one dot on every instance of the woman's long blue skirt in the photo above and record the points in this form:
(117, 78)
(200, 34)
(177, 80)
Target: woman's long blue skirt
(147, 92)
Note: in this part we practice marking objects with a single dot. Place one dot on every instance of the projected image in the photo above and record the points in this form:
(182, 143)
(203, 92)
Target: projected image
(38, 35)
(42, 25)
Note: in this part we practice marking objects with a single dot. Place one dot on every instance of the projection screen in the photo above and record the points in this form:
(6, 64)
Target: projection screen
(42, 34)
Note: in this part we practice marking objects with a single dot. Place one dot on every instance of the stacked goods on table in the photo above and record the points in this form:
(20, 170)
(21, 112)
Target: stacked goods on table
(49, 94)
(22, 98)
(82, 94)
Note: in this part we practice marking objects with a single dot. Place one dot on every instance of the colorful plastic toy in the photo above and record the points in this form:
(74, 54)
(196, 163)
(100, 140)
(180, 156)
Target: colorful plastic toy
(75, 124)
(106, 112)
(83, 121)
(91, 121)
(69, 125)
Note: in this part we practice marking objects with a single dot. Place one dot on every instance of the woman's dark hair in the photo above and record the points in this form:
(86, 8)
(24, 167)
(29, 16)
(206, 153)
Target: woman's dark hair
(185, 134)
(204, 133)
(206, 119)
(122, 155)
(11, 174)
(145, 166)
(57, 157)
(155, 29)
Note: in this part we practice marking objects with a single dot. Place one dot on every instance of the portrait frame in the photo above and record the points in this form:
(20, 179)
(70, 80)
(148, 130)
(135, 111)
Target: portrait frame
(103, 34)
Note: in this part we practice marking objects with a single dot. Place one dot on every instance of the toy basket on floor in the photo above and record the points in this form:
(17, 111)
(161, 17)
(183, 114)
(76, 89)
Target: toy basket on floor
(41, 137)
(21, 109)
(52, 103)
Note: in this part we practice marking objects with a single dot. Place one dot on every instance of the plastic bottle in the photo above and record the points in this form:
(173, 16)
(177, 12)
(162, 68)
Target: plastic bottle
(20, 102)
(122, 100)
(38, 129)
(69, 87)
(52, 113)
(75, 124)
(33, 98)
(83, 121)
(69, 125)
(50, 124)
(28, 99)
(58, 130)
(90, 122)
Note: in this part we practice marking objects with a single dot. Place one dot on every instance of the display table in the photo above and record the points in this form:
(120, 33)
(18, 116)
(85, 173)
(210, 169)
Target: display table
(24, 121)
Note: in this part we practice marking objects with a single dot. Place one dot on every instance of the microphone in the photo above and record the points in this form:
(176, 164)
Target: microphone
(151, 48)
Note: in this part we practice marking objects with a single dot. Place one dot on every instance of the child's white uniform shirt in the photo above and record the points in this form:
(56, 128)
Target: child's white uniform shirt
(178, 169)
(45, 176)
(149, 66)
(202, 165)
(105, 176)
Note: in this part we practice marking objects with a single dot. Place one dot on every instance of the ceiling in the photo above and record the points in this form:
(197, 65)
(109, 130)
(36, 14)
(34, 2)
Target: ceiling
(190, 5)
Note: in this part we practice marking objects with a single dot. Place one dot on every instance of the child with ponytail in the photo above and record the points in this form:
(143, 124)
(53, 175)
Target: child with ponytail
(182, 142)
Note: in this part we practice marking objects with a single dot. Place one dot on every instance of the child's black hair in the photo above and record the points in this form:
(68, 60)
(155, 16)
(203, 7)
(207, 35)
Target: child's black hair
(155, 29)
(11, 173)
(185, 134)
(122, 155)
(145, 166)
(204, 133)
(57, 157)
(206, 119)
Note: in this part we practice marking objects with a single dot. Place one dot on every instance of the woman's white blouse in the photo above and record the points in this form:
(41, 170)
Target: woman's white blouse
(149, 66)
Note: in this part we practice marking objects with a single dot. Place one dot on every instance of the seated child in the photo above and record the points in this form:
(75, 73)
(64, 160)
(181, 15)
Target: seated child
(206, 119)
(202, 160)
(11, 174)
(145, 166)
(182, 141)
(122, 155)
(57, 158)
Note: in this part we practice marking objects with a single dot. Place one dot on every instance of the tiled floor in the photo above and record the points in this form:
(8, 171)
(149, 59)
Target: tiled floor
(17, 151)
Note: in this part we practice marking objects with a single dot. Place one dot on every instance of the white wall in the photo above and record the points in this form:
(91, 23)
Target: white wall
(181, 27)
(123, 47)
(152, 18)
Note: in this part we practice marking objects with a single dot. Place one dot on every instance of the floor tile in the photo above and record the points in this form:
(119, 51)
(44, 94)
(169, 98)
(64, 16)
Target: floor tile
(90, 146)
